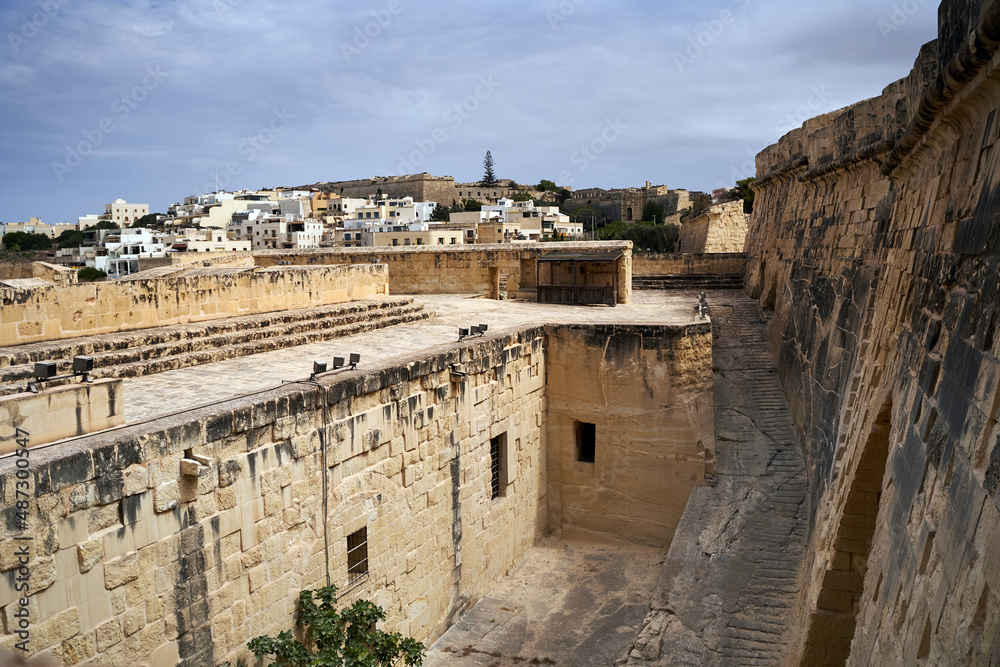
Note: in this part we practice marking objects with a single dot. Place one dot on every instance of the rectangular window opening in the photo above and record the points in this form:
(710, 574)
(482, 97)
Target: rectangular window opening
(357, 555)
(586, 436)
(498, 466)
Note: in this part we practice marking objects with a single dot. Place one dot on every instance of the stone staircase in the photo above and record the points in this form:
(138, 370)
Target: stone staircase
(146, 351)
(688, 281)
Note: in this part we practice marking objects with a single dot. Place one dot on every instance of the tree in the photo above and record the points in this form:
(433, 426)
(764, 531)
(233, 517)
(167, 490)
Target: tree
(562, 194)
(645, 236)
(148, 220)
(441, 213)
(105, 224)
(653, 212)
(347, 638)
(702, 202)
(473, 205)
(520, 195)
(744, 191)
(26, 241)
(546, 186)
(71, 238)
(489, 178)
(89, 274)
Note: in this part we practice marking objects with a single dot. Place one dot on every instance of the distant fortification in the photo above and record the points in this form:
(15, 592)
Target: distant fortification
(875, 244)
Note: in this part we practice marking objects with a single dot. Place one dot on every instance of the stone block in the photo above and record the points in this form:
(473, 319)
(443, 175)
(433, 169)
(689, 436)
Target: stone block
(89, 554)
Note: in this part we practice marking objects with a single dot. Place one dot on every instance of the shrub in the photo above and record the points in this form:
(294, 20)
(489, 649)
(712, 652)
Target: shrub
(338, 638)
(89, 274)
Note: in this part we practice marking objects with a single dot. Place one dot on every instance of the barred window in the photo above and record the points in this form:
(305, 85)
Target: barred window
(498, 466)
(357, 555)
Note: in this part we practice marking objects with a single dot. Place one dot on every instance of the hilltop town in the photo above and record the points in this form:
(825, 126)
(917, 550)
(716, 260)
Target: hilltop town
(418, 210)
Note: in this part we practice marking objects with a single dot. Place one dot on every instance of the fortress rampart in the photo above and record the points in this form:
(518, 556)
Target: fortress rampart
(875, 242)
(457, 269)
(177, 540)
(192, 295)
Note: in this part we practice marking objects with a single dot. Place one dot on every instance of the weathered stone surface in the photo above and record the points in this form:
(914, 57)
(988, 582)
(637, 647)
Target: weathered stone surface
(875, 244)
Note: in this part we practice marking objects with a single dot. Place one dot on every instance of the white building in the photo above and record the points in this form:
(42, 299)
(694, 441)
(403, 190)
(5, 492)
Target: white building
(124, 214)
(265, 231)
(122, 250)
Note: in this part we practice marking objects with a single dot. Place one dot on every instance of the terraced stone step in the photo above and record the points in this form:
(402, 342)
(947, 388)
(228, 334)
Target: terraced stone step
(135, 353)
(689, 281)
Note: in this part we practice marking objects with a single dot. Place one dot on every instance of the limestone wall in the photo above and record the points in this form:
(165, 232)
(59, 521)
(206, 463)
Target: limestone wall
(458, 269)
(132, 562)
(51, 313)
(721, 228)
(60, 412)
(649, 397)
(876, 244)
(61, 275)
(680, 264)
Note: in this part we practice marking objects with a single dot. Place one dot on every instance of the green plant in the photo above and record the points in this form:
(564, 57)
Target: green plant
(347, 638)
(89, 274)
(20, 241)
(489, 178)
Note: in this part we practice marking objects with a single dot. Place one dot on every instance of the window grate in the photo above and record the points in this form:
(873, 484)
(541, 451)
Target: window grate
(495, 467)
(357, 555)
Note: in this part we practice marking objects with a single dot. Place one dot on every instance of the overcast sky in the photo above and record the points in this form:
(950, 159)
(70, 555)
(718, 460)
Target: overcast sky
(148, 99)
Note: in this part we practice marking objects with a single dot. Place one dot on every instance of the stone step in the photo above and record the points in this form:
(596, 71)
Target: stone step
(92, 345)
(132, 355)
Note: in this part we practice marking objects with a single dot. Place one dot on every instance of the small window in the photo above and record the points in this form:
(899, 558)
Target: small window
(420, 241)
(357, 555)
(395, 242)
(453, 239)
(498, 466)
(586, 436)
(441, 241)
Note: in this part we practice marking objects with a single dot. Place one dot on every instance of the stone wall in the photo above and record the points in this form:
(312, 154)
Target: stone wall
(54, 312)
(680, 264)
(649, 397)
(136, 558)
(722, 228)
(875, 243)
(458, 269)
(60, 412)
(60, 275)
(132, 561)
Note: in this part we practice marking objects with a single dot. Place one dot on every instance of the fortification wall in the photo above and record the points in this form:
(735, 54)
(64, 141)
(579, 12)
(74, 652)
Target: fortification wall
(54, 312)
(649, 400)
(457, 269)
(721, 264)
(422, 187)
(875, 241)
(722, 228)
(130, 561)
(133, 561)
(61, 275)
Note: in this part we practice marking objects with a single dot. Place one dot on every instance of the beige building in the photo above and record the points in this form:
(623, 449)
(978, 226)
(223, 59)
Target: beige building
(124, 214)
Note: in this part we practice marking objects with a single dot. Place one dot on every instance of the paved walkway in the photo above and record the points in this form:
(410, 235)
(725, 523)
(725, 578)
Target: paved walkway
(155, 395)
(731, 587)
(568, 603)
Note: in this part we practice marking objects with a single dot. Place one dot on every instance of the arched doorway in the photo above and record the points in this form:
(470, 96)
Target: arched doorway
(832, 622)
(628, 214)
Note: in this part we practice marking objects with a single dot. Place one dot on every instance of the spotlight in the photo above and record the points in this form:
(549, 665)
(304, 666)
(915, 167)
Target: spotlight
(338, 362)
(83, 366)
(355, 359)
(483, 328)
(45, 370)
(318, 367)
(474, 330)
(463, 332)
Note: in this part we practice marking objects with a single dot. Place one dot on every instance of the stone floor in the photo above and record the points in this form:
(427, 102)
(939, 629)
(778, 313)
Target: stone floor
(153, 396)
(568, 603)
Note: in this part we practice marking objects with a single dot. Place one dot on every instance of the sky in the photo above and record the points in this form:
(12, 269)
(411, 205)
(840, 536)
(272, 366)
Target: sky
(156, 100)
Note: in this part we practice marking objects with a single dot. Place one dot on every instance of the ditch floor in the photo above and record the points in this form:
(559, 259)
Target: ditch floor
(567, 603)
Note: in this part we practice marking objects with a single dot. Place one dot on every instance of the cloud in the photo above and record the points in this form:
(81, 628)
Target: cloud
(367, 84)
